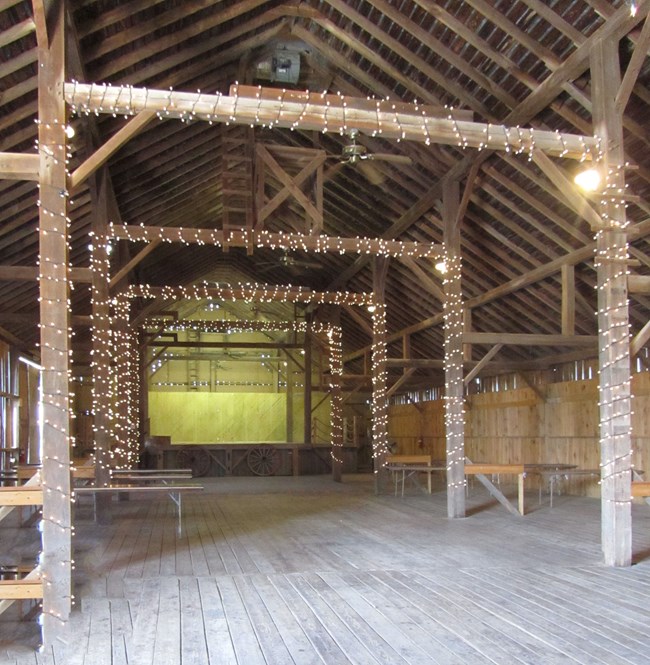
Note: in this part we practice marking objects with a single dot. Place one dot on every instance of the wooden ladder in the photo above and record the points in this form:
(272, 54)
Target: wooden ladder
(237, 180)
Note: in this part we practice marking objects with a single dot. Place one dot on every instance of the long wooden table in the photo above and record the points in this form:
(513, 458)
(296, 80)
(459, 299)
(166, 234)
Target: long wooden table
(482, 469)
(410, 466)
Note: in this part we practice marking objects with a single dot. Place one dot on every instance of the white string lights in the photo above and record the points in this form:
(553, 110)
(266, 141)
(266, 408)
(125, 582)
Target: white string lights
(615, 395)
(454, 396)
(313, 111)
(276, 240)
(128, 386)
(379, 406)
(54, 304)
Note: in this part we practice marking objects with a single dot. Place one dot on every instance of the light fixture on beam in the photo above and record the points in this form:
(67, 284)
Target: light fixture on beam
(588, 180)
(441, 267)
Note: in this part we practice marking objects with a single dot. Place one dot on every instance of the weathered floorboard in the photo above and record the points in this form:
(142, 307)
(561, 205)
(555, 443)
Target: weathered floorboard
(303, 570)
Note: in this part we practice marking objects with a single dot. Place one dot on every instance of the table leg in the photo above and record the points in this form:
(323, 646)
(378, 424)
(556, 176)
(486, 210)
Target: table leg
(521, 493)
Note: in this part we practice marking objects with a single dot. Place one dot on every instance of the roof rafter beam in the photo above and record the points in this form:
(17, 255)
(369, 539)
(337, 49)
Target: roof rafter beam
(633, 68)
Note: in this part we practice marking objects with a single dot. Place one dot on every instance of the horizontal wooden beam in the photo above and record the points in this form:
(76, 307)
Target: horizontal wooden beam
(77, 320)
(31, 273)
(294, 109)
(21, 589)
(19, 166)
(529, 339)
(248, 292)
(26, 495)
(638, 284)
(270, 240)
(223, 345)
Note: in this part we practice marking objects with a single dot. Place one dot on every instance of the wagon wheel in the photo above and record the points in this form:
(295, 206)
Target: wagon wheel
(196, 459)
(263, 461)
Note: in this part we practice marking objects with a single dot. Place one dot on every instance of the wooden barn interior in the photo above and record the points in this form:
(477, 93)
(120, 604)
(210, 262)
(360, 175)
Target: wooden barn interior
(315, 346)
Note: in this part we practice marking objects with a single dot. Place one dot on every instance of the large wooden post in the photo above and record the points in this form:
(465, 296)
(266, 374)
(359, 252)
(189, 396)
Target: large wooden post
(56, 560)
(613, 315)
(308, 374)
(102, 346)
(379, 373)
(453, 330)
(336, 370)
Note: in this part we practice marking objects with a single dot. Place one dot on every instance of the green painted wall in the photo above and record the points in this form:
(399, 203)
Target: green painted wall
(202, 417)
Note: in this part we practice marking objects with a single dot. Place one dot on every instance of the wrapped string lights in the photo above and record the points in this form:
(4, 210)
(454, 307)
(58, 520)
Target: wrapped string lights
(276, 240)
(454, 395)
(128, 390)
(312, 111)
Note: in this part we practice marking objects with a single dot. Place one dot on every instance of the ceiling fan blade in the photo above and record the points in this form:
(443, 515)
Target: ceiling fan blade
(372, 174)
(389, 157)
(308, 265)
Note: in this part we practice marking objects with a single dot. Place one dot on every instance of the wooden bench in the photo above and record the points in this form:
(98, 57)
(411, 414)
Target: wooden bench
(411, 465)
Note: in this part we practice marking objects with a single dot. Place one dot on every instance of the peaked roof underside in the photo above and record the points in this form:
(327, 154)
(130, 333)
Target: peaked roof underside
(483, 56)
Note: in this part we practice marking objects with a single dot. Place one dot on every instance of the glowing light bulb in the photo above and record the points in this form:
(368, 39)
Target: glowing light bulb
(588, 180)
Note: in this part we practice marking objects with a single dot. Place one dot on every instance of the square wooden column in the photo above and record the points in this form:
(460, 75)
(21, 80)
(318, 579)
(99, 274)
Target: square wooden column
(102, 343)
(613, 315)
(379, 374)
(56, 560)
(453, 344)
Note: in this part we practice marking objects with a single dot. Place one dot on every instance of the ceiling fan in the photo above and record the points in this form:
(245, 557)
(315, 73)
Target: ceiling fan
(291, 262)
(357, 154)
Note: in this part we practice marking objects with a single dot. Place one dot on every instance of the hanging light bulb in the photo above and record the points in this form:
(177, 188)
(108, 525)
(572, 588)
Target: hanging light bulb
(441, 267)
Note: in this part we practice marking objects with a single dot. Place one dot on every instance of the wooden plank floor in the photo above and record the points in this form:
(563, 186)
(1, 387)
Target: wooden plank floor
(306, 571)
